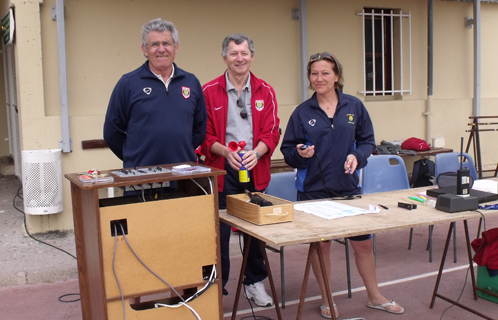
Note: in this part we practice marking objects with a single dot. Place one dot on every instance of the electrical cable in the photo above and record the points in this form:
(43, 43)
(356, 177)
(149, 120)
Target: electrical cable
(468, 269)
(114, 268)
(40, 241)
(26, 228)
(210, 184)
(205, 192)
(184, 302)
(140, 260)
(138, 194)
(67, 295)
(194, 296)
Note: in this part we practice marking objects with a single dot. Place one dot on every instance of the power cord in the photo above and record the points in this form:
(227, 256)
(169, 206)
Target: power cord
(184, 302)
(45, 243)
(26, 228)
(468, 269)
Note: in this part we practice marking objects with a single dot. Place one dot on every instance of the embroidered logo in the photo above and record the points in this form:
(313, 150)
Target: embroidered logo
(260, 105)
(350, 118)
(147, 90)
(186, 92)
(312, 122)
(218, 108)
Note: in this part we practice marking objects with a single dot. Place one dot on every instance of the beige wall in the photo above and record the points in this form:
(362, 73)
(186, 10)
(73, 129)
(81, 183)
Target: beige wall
(102, 46)
(103, 42)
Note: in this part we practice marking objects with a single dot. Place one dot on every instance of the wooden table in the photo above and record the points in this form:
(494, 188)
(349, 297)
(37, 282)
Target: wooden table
(307, 228)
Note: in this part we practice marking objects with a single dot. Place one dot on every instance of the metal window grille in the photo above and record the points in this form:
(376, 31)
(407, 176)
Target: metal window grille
(383, 54)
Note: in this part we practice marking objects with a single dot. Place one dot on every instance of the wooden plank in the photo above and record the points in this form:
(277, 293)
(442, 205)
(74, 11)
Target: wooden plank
(94, 144)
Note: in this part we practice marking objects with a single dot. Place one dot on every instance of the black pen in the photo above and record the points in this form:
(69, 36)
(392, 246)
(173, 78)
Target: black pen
(383, 207)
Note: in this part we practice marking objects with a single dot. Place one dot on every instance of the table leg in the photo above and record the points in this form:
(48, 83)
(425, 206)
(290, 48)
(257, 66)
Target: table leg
(315, 246)
(469, 253)
(441, 267)
(247, 243)
(270, 278)
(305, 282)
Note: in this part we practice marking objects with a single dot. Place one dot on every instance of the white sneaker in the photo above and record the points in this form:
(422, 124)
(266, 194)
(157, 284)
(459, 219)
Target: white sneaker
(258, 293)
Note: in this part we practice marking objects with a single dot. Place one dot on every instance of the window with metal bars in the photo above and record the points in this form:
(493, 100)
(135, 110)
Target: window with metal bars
(386, 55)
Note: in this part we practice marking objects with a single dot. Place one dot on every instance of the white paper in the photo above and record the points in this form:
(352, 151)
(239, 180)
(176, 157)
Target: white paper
(330, 209)
(485, 185)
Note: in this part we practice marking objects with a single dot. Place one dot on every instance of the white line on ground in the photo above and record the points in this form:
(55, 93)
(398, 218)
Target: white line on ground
(338, 293)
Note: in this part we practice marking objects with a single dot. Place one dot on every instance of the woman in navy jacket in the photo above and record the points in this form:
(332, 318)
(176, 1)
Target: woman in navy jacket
(329, 137)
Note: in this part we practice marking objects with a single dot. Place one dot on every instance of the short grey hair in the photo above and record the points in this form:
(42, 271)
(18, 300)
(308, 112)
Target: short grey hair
(238, 38)
(160, 26)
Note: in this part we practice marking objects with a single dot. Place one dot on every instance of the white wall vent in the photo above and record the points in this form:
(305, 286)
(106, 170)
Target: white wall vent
(42, 181)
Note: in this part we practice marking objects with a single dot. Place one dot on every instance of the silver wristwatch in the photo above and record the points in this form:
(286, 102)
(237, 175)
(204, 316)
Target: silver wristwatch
(257, 154)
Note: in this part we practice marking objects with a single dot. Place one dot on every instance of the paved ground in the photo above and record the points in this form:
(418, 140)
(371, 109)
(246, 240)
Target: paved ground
(22, 259)
(38, 282)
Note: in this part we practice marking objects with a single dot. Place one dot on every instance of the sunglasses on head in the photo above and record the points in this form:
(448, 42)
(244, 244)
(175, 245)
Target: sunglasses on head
(243, 113)
(320, 56)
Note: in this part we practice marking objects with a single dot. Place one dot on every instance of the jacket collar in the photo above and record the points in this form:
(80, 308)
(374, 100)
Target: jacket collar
(342, 101)
(146, 73)
(255, 82)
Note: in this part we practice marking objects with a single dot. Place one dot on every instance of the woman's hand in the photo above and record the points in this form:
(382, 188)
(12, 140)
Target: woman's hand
(307, 152)
(350, 164)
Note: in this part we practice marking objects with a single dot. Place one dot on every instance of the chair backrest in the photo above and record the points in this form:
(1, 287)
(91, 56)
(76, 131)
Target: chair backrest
(384, 173)
(450, 162)
(283, 185)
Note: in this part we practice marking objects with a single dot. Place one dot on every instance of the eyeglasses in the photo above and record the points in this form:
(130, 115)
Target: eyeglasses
(320, 56)
(243, 113)
(156, 44)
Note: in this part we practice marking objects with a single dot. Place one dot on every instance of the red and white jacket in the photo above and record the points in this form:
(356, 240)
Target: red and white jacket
(265, 124)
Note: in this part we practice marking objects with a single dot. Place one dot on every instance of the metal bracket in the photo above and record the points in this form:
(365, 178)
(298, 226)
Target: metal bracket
(65, 148)
(54, 14)
(295, 14)
(469, 22)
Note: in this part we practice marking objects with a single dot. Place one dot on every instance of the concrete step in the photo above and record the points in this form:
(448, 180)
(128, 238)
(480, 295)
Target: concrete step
(6, 166)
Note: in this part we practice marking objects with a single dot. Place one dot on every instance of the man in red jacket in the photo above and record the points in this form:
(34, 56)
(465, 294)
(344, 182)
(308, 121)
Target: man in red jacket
(241, 107)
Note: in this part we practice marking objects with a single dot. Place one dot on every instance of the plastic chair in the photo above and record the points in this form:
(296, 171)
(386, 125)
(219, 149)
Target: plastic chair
(450, 162)
(383, 173)
(283, 185)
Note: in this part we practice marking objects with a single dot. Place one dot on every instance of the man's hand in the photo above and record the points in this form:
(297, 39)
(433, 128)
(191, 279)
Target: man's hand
(233, 159)
(250, 160)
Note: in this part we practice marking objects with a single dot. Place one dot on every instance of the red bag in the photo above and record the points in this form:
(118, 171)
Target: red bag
(415, 144)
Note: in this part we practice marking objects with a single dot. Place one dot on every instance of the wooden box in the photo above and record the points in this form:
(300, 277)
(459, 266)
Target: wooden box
(282, 210)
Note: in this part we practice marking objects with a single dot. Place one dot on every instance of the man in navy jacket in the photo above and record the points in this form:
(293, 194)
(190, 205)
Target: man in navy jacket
(156, 113)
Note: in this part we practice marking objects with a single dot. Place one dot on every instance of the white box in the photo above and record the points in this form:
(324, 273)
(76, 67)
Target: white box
(438, 142)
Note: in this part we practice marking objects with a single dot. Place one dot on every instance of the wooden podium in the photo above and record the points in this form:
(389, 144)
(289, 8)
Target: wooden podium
(175, 236)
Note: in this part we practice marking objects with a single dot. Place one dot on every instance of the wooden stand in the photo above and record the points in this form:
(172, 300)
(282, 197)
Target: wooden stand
(176, 238)
(474, 139)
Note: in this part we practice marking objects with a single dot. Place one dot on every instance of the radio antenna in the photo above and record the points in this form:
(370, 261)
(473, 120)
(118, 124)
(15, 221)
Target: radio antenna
(461, 154)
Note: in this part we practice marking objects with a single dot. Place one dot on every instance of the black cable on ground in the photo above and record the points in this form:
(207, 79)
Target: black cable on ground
(26, 228)
(48, 244)
(67, 295)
